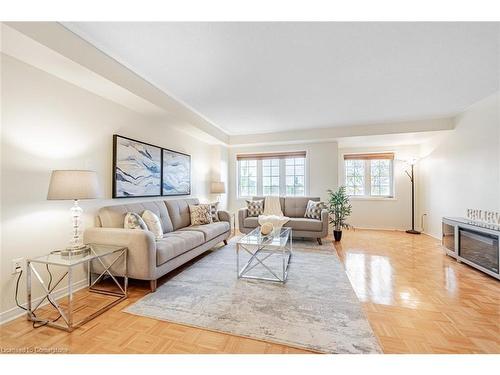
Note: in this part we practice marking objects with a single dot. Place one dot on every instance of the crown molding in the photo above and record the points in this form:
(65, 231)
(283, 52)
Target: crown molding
(69, 47)
(336, 133)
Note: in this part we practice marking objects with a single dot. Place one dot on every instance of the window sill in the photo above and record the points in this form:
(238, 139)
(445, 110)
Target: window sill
(365, 198)
(280, 196)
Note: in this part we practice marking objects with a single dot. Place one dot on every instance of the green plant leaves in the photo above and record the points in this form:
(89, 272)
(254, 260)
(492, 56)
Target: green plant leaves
(339, 208)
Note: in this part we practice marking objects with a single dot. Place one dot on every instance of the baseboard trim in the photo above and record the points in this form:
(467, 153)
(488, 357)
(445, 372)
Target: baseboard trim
(16, 312)
(383, 229)
(430, 235)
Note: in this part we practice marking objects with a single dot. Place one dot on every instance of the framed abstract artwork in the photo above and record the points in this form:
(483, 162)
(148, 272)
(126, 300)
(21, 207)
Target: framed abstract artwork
(176, 173)
(136, 168)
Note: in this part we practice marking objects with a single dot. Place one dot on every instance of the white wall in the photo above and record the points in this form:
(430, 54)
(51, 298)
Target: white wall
(385, 213)
(462, 170)
(49, 124)
(321, 168)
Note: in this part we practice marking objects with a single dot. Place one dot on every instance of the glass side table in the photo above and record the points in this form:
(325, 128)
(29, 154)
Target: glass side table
(105, 257)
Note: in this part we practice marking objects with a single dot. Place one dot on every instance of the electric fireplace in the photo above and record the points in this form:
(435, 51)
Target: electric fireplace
(474, 243)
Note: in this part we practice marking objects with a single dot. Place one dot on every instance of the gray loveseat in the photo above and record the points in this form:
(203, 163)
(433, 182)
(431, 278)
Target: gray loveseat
(149, 258)
(294, 208)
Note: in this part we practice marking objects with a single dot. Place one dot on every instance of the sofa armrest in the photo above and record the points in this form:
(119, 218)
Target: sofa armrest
(141, 244)
(224, 216)
(324, 221)
(242, 215)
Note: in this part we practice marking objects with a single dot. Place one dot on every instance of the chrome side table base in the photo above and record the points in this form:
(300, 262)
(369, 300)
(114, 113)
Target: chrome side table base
(258, 256)
(66, 315)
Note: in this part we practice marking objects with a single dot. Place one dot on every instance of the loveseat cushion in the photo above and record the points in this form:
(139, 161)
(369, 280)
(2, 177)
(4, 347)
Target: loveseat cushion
(282, 202)
(296, 206)
(210, 231)
(176, 243)
(296, 223)
(304, 224)
(251, 222)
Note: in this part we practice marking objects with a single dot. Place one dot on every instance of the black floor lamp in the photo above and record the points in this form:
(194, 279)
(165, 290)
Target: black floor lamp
(412, 179)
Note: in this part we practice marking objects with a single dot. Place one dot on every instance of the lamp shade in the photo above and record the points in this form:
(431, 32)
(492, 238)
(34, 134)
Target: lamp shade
(412, 160)
(217, 188)
(73, 184)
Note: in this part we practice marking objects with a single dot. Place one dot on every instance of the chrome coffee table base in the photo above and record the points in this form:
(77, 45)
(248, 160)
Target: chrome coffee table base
(260, 249)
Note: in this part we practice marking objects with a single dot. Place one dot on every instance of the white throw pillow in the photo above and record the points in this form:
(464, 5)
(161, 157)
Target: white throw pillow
(134, 221)
(153, 223)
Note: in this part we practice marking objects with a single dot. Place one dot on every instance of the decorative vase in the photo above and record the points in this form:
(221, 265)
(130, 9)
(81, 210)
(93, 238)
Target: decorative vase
(276, 221)
(266, 229)
(337, 235)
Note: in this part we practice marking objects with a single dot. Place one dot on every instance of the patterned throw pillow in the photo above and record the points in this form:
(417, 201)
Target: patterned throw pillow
(313, 210)
(255, 208)
(200, 214)
(134, 221)
(153, 223)
(213, 211)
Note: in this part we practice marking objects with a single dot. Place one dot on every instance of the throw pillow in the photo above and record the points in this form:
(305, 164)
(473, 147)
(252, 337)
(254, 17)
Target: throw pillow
(134, 221)
(213, 211)
(153, 223)
(255, 208)
(313, 210)
(200, 214)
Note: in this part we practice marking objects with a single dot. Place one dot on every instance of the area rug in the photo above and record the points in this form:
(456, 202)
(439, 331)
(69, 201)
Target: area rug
(316, 309)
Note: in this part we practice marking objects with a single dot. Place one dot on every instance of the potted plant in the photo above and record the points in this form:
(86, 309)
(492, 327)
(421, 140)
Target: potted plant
(339, 209)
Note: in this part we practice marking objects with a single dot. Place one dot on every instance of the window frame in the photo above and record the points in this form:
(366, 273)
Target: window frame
(271, 176)
(367, 177)
(239, 176)
(282, 176)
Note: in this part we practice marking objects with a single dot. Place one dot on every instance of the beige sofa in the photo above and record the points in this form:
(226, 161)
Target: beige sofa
(294, 208)
(148, 258)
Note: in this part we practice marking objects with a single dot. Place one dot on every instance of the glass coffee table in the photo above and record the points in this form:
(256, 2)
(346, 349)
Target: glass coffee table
(263, 251)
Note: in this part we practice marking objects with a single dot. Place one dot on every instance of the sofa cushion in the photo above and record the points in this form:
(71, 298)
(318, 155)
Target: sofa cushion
(296, 206)
(282, 201)
(178, 210)
(251, 222)
(210, 231)
(304, 224)
(114, 216)
(176, 243)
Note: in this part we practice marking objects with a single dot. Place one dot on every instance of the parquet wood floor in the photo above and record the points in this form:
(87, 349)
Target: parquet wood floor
(416, 299)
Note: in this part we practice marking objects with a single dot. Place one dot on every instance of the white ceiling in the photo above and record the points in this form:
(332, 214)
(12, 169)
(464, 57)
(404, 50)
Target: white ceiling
(268, 77)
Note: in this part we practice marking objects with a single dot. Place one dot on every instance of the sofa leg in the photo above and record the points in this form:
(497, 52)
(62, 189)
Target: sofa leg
(225, 242)
(319, 241)
(152, 285)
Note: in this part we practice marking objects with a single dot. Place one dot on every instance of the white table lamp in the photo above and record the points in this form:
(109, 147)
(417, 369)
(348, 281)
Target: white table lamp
(217, 188)
(74, 185)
